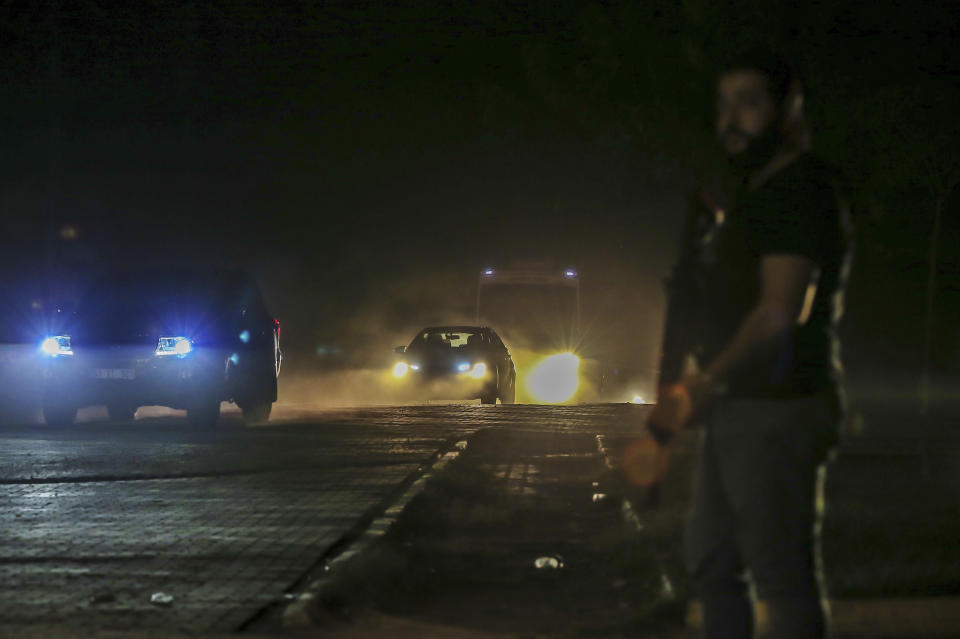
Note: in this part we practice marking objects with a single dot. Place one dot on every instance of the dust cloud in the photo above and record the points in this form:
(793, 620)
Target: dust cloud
(348, 360)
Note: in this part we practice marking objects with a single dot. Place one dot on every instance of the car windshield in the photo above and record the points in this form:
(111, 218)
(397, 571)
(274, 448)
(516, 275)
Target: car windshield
(446, 339)
(181, 303)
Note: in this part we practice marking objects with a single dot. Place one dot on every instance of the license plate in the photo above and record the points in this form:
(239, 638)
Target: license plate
(113, 373)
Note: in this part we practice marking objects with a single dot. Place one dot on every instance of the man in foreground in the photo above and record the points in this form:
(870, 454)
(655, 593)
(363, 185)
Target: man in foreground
(755, 299)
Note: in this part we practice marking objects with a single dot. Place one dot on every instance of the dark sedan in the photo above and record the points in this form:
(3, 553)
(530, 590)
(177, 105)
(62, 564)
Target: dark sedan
(458, 362)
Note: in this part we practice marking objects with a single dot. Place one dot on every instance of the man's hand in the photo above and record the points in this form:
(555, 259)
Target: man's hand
(673, 410)
(645, 462)
(676, 406)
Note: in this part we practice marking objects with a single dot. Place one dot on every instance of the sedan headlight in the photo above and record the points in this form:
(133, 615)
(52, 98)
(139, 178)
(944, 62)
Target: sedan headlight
(179, 346)
(400, 369)
(56, 346)
(479, 370)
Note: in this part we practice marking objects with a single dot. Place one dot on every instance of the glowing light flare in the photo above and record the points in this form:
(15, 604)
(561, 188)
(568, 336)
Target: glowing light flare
(637, 399)
(179, 346)
(488, 272)
(570, 273)
(50, 346)
(56, 346)
(555, 379)
(463, 367)
(400, 370)
(244, 336)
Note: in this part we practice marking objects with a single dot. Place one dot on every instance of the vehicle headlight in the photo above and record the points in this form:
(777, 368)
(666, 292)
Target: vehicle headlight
(479, 370)
(179, 346)
(400, 369)
(555, 379)
(56, 346)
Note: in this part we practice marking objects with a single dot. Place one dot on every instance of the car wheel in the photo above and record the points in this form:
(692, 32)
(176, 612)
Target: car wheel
(509, 395)
(58, 413)
(256, 413)
(121, 412)
(205, 413)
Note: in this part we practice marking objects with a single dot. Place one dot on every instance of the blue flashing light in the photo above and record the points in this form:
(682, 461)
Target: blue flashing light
(245, 336)
(235, 359)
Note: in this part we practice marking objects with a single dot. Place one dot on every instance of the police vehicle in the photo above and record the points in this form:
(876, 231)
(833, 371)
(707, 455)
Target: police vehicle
(186, 339)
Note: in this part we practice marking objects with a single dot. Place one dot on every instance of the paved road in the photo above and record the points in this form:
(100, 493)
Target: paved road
(98, 517)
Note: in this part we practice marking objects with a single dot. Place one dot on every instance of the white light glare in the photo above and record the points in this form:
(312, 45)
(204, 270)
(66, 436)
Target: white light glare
(555, 379)
(570, 273)
(56, 346)
(463, 367)
(488, 272)
(401, 369)
(479, 371)
(179, 346)
(637, 400)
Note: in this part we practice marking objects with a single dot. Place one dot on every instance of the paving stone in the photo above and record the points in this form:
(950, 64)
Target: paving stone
(96, 518)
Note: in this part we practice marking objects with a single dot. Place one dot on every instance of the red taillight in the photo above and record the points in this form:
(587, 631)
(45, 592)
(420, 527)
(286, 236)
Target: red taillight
(276, 326)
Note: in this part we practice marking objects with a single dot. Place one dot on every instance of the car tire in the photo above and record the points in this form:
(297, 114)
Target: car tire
(254, 414)
(204, 413)
(489, 396)
(121, 412)
(59, 414)
(509, 395)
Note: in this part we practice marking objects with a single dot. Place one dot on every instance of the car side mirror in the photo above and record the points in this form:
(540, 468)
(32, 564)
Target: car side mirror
(400, 349)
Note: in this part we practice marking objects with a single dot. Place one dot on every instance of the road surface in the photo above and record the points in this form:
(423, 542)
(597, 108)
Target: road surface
(100, 517)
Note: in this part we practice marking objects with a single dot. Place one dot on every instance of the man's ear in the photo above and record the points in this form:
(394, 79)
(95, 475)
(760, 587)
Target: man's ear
(794, 123)
(793, 103)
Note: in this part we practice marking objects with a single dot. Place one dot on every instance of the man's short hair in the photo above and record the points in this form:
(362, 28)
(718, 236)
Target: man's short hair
(777, 69)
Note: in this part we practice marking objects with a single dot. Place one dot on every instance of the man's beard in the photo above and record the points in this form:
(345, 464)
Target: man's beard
(758, 153)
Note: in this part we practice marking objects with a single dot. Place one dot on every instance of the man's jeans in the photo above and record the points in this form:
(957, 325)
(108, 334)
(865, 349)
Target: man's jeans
(754, 510)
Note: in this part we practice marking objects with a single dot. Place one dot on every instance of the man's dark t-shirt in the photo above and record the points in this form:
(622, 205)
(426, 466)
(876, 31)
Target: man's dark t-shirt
(799, 211)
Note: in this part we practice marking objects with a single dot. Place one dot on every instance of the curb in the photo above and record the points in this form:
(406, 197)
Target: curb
(629, 514)
(297, 614)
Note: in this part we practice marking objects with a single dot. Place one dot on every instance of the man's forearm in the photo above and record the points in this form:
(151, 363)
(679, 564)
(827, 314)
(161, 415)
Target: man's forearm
(761, 330)
(676, 336)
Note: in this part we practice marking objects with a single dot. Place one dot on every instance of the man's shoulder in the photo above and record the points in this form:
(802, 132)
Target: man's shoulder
(810, 173)
(809, 184)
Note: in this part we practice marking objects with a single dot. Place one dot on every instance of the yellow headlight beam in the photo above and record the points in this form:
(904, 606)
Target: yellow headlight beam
(555, 380)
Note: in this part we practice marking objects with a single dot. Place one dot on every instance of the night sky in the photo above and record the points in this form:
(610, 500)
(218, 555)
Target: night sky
(367, 158)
